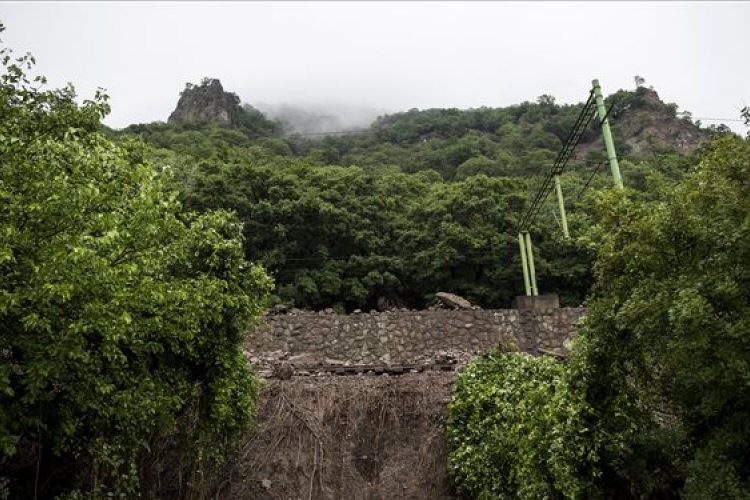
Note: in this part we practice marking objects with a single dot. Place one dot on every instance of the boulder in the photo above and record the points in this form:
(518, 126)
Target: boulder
(280, 309)
(453, 300)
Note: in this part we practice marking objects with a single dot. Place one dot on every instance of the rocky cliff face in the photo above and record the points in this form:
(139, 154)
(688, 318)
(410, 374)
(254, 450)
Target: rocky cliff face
(653, 122)
(646, 124)
(207, 103)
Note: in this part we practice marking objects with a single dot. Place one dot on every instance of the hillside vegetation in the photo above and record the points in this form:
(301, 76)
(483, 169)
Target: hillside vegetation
(421, 202)
(653, 402)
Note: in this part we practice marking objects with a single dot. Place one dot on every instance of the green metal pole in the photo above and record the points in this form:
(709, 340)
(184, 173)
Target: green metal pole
(561, 203)
(607, 133)
(532, 270)
(525, 265)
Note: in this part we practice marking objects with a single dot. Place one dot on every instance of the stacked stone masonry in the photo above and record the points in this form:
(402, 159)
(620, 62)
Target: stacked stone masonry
(403, 337)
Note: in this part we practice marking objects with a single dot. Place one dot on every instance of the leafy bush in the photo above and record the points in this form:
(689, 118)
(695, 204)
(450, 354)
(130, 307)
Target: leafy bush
(118, 314)
(516, 429)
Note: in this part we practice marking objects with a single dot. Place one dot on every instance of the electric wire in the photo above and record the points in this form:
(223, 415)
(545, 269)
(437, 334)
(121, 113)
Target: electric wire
(595, 171)
(331, 133)
(716, 119)
(367, 130)
(601, 122)
(574, 138)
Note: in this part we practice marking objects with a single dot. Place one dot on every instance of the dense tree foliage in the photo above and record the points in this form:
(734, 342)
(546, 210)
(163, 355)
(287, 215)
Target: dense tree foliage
(348, 236)
(121, 318)
(655, 394)
(421, 202)
(126, 288)
(518, 429)
(670, 320)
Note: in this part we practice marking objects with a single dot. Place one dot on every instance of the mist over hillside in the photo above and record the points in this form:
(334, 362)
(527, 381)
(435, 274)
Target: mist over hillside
(314, 119)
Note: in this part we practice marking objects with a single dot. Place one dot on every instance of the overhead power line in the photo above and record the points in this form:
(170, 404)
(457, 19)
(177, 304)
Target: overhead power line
(563, 157)
(716, 119)
(336, 132)
(595, 171)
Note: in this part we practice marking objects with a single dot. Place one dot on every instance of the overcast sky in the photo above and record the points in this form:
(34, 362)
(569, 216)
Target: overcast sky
(388, 55)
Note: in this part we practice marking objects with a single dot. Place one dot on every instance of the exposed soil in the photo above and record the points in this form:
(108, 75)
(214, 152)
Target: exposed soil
(346, 437)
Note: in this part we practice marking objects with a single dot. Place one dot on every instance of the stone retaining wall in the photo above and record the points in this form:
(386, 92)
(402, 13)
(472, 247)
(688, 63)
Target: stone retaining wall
(401, 337)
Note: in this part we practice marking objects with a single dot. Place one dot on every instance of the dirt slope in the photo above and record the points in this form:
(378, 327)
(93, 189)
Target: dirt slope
(346, 437)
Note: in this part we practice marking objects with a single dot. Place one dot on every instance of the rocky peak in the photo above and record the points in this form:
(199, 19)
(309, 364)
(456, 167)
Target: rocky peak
(649, 98)
(646, 124)
(207, 103)
(654, 122)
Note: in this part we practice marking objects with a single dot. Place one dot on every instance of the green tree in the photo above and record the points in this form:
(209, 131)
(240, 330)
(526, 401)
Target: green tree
(478, 165)
(667, 332)
(460, 238)
(119, 316)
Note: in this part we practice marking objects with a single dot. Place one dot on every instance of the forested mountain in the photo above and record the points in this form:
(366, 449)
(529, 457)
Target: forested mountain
(421, 201)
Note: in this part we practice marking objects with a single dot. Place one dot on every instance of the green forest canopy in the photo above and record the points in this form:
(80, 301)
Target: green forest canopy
(421, 202)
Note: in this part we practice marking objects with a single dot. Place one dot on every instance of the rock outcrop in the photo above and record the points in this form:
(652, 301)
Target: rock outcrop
(207, 103)
(647, 125)
(653, 123)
